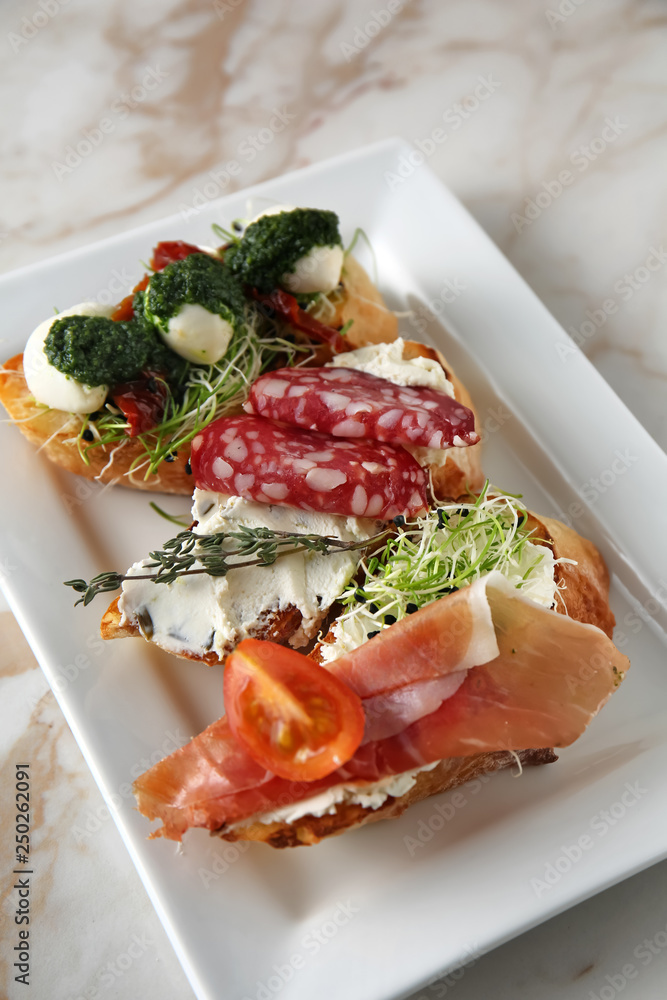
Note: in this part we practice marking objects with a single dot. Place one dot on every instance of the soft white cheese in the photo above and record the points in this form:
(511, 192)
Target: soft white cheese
(387, 361)
(273, 210)
(317, 271)
(370, 795)
(198, 335)
(540, 586)
(199, 614)
(50, 386)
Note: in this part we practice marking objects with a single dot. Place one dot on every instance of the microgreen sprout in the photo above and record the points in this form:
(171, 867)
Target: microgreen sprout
(206, 393)
(451, 547)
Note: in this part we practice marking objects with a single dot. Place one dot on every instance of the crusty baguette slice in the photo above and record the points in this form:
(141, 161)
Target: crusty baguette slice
(359, 301)
(585, 598)
(583, 584)
(55, 433)
(446, 775)
(278, 626)
(461, 471)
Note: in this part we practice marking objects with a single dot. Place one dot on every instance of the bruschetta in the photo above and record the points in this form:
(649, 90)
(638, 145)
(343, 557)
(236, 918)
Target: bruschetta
(118, 393)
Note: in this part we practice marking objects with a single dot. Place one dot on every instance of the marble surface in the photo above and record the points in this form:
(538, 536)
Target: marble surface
(548, 120)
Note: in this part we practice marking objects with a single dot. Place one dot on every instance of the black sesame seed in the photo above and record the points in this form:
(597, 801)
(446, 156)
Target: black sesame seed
(389, 619)
(371, 635)
(237, 226)
(410, 609)
(151, 385)
(399, 521)
(373, 608)
(188, 468)
(88, 435)
(441, 519)
(170, 457)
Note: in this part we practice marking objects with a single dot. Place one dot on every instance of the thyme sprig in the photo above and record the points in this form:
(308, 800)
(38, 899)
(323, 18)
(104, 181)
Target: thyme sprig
(190, 554)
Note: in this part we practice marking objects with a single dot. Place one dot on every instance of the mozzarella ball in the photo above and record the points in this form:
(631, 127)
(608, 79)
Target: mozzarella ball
(317, 271)
(199, 336)
(50, 386)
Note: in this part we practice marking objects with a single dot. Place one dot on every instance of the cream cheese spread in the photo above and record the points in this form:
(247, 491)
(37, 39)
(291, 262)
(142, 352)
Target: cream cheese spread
(200, 614)
(370, 795)
(387, 361)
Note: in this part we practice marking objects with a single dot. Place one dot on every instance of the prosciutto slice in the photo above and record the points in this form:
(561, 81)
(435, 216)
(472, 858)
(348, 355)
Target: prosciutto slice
(349, 403)
(541, 685)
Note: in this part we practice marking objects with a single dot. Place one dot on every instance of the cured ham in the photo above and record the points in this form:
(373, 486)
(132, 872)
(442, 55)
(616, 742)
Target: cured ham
(259, 460)
(349, 403)
(539, 685)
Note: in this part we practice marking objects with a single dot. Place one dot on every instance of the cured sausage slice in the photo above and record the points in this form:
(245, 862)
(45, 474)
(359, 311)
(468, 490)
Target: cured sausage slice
(257, 459)
(349, 403)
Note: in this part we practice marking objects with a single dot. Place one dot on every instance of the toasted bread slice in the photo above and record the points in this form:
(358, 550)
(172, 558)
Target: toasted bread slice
(446, 775)
(458, 470)
(583, 584)
(358, 301)
(55, 434)
(278, 626)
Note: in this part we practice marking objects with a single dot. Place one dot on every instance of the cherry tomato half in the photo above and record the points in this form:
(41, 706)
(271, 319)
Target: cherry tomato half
(289, 713)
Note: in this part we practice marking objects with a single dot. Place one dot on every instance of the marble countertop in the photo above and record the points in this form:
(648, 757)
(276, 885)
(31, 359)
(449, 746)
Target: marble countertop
(555, 125)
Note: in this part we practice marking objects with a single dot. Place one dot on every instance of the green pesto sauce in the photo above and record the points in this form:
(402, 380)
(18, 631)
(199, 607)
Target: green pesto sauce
(197, 280)
(271, 247)
(100, 351)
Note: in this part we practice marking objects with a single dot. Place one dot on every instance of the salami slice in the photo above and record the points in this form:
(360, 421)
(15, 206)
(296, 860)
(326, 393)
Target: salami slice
(257, 459)
(349, 403)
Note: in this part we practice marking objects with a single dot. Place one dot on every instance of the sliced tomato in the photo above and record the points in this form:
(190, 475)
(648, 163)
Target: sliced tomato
(286, 307)
(170, 250)
(289, 713)
(125, 309)
(142, 402)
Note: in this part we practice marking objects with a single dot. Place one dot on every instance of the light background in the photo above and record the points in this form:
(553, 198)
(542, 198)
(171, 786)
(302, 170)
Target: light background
(183, 89)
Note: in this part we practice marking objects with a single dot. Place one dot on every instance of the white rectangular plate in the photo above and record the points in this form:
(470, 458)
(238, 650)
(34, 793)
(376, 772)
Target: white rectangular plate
(379, 912)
